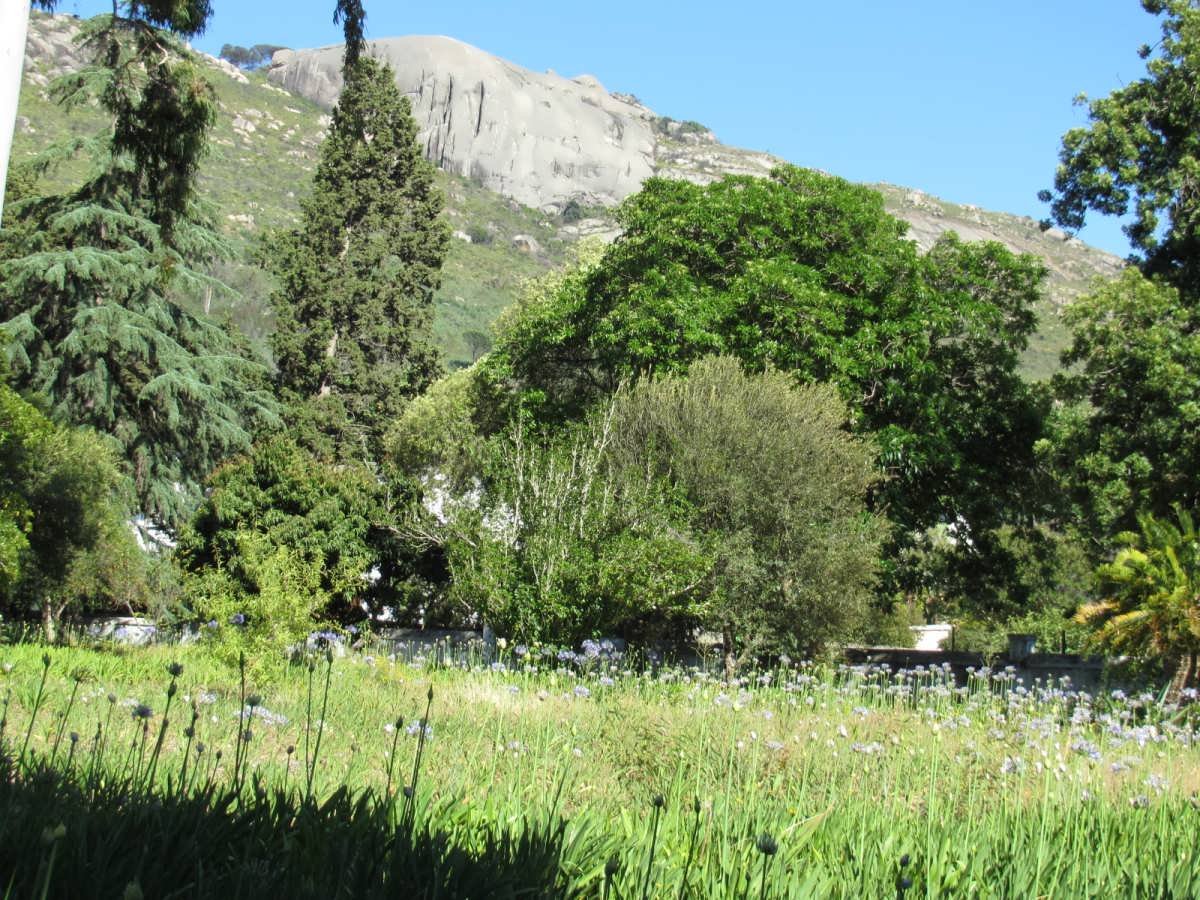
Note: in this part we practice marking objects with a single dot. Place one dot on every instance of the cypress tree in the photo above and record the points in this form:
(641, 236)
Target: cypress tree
(86, 279)
(354, 311)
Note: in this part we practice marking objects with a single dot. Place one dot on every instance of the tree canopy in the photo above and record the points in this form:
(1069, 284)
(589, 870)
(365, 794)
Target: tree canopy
(355, 303)
(1140, 155)
(774, 488)
(807, 273)
(84, 301)
(1126, 440)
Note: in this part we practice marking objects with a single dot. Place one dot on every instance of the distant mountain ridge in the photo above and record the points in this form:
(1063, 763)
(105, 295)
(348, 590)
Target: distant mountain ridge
(533, 162)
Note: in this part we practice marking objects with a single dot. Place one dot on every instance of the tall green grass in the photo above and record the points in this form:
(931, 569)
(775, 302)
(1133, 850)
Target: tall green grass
(586, 776)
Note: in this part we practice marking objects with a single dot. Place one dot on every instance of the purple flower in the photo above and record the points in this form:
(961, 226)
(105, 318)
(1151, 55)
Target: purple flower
(237, 619)
(415, 728)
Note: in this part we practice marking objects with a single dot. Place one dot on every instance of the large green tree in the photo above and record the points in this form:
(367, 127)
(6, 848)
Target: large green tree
(355, 303)
(1140, 155)
(85, 306)
(775, 489)
(62, 528)
(809, 274)
(1126, 438)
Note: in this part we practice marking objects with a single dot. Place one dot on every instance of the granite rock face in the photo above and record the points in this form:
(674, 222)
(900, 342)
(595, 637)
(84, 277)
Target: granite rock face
(540, 139)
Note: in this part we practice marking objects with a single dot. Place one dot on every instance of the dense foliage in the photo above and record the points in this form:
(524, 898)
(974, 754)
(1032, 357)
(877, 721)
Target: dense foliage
(563, 546)
(718, 499)
(808, 274)
(775, 490)
(354, 308)
(85, 275)
(63, 540)
(1140, 155)
(284, 495)
(1127, 438)
(1150, 597)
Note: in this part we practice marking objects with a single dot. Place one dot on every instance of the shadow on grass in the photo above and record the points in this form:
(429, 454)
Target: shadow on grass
(116, 841)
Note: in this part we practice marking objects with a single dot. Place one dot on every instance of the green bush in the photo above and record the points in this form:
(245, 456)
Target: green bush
(480, 234)
(571, 212)
(274, 604)
(715, 500)
(320, 514)
(567, 547)
(65, 544)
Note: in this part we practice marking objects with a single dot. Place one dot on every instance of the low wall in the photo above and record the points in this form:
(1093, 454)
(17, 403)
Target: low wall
(1085, 673)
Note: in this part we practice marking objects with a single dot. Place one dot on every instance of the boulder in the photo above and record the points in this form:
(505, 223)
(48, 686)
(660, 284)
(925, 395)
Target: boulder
(540, 139)
(527, 244)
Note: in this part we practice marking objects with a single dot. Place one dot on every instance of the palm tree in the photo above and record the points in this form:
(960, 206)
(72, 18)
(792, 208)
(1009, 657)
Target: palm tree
(1152, 607)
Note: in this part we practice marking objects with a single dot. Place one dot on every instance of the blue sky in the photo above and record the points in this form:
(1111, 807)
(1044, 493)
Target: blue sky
(964, 100)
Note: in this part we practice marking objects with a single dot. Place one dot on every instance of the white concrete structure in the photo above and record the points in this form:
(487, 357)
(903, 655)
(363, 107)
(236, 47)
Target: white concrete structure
(931, 637)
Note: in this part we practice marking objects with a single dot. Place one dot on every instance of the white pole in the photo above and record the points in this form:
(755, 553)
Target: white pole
(14, 22)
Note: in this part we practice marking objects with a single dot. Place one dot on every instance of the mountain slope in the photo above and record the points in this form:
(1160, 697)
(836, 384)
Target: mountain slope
(531, 164)
(262, 154)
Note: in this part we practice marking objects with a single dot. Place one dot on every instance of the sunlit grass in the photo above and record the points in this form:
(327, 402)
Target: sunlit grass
(987, 789)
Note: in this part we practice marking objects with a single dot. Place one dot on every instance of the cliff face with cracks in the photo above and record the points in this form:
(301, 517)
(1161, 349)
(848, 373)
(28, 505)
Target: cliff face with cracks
(541, 139)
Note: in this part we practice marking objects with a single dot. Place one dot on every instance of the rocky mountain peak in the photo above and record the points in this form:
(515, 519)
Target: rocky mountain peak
(541, 139)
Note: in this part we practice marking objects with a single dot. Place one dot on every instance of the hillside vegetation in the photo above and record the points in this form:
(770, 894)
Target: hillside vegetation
(262, 155)
(264, 150)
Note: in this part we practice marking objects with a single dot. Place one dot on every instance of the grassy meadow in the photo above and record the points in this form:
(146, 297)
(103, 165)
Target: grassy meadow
(582, 775)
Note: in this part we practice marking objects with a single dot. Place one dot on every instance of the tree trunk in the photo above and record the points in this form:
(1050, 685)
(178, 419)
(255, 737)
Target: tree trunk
(49, 627)
(14, 21)
(1187, 668)
(727, 647)
(330, 351)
